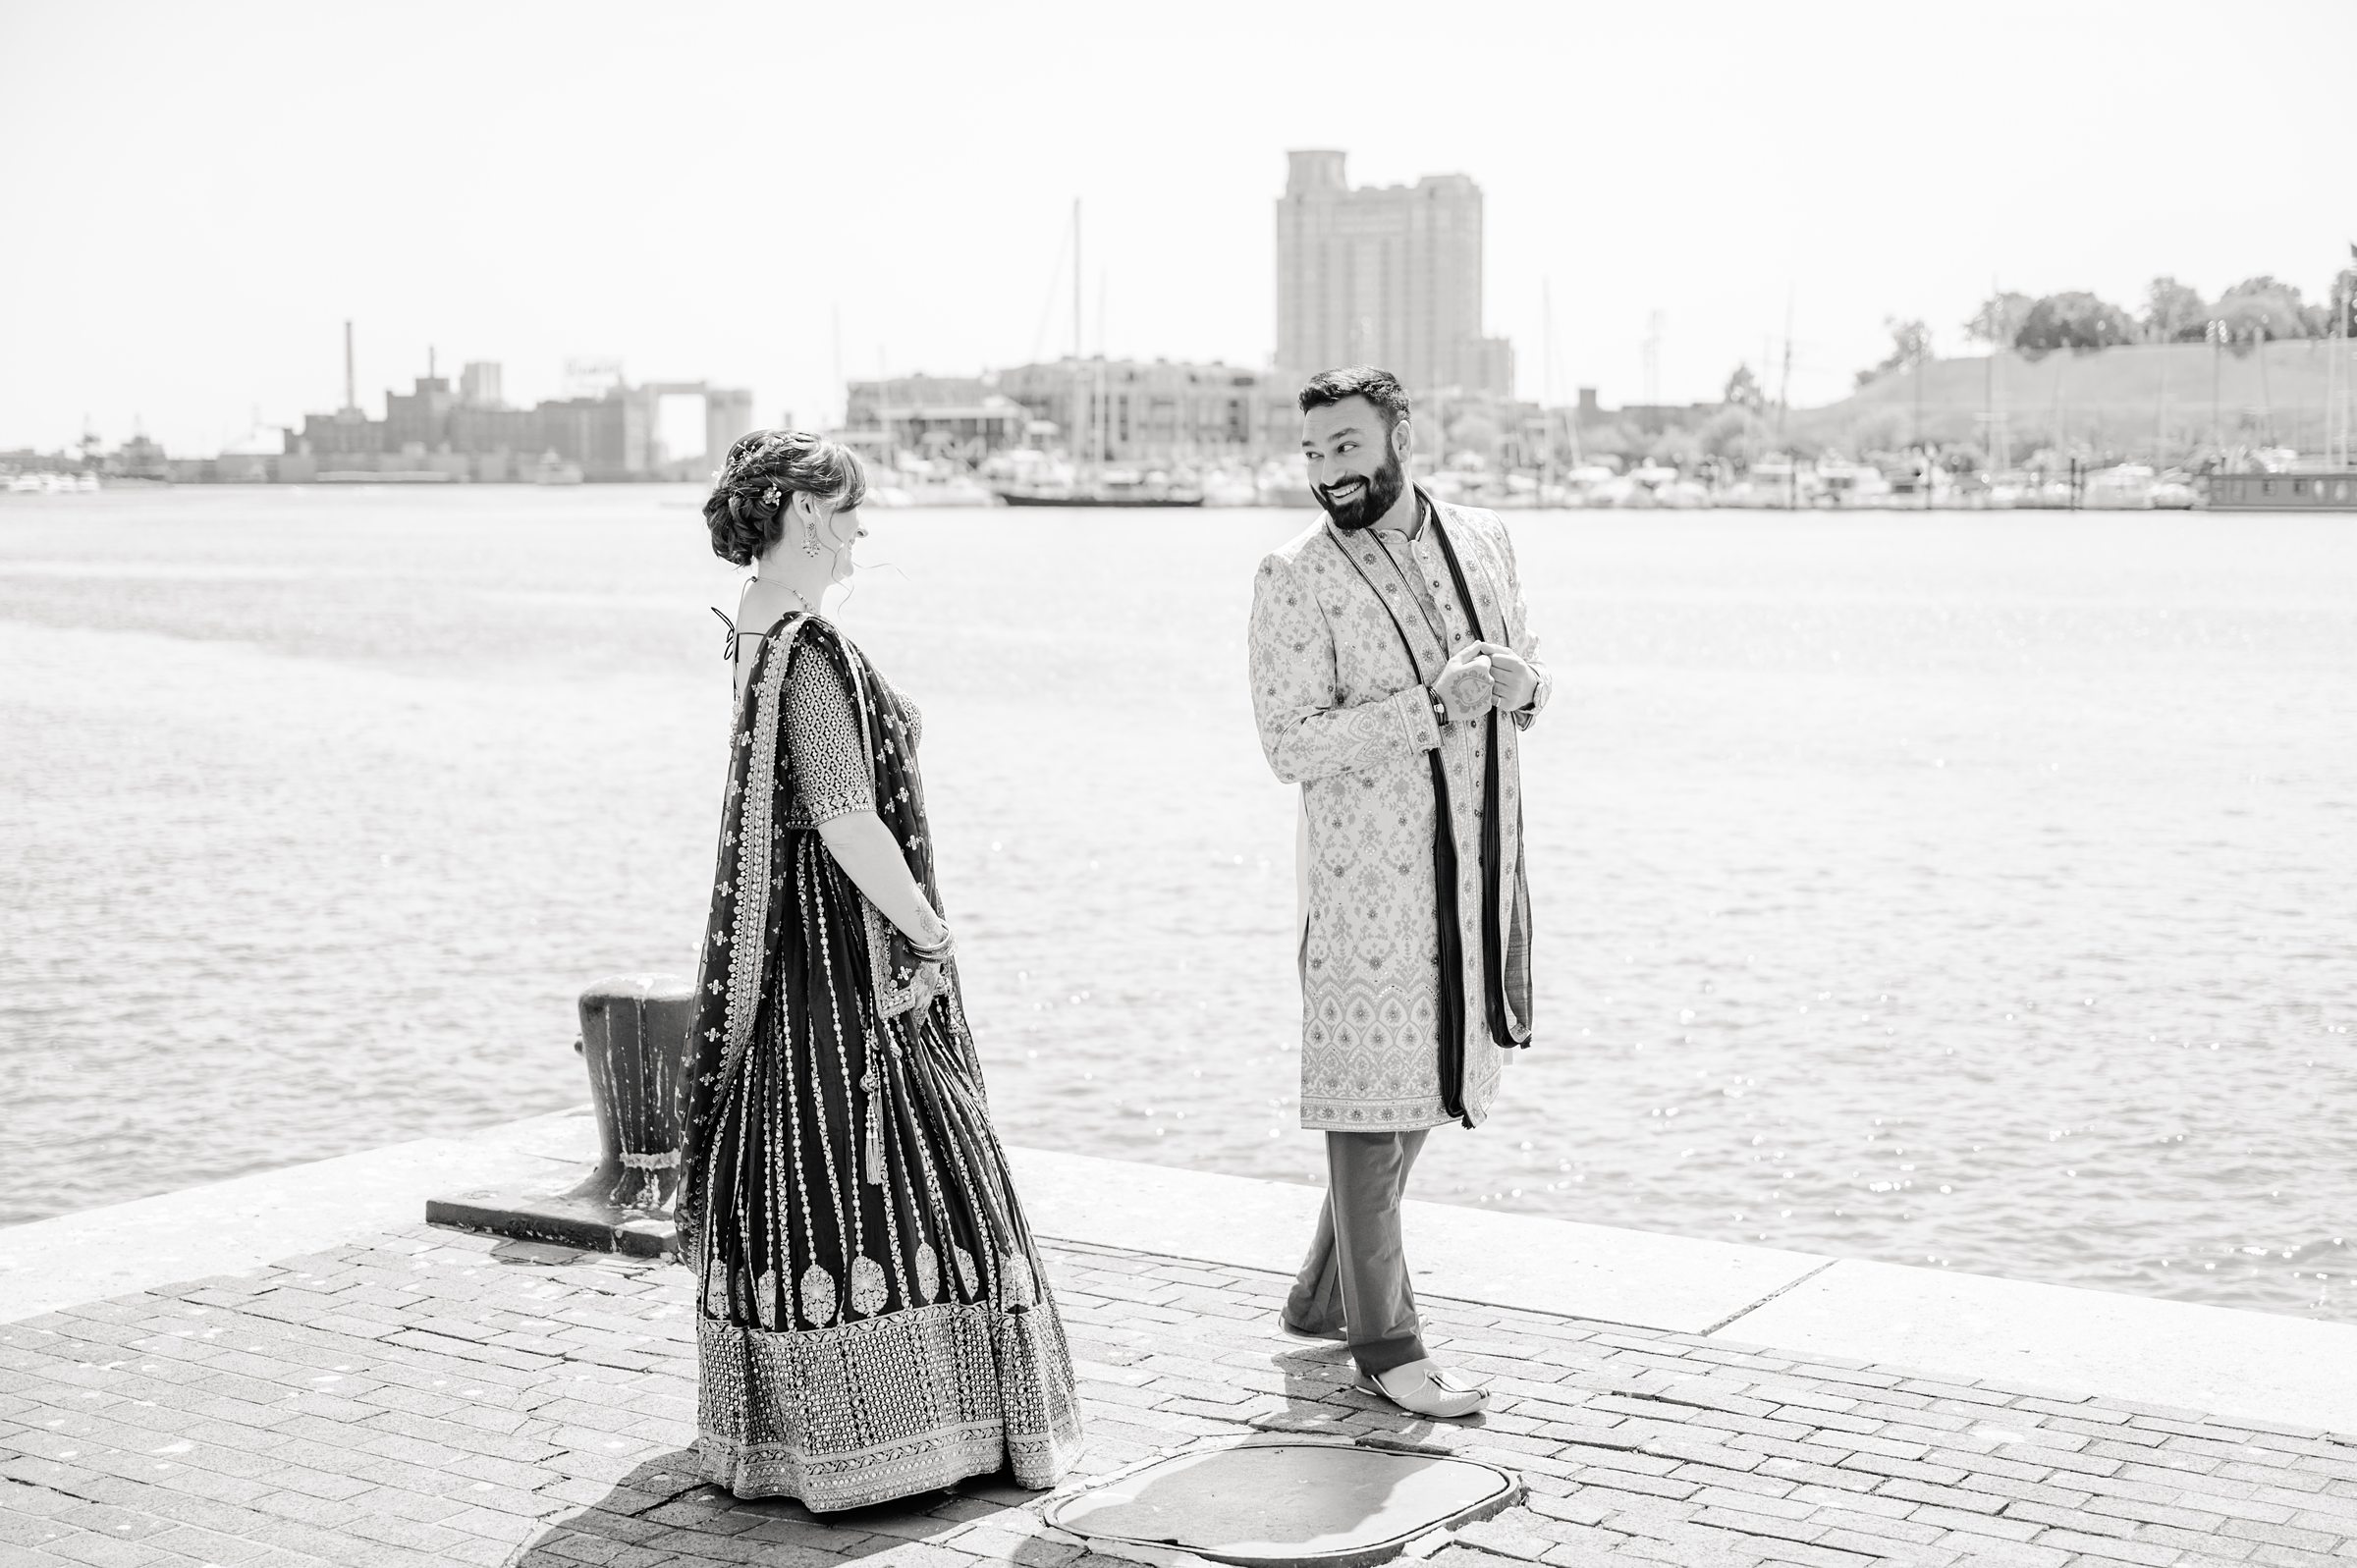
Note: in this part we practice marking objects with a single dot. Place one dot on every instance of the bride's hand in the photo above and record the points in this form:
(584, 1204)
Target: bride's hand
(929, 984)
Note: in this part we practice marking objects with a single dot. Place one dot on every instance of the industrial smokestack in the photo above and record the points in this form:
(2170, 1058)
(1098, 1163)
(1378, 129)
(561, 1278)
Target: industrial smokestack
(350, 401)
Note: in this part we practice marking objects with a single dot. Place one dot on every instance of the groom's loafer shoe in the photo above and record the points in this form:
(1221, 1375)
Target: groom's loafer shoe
(1299, 1333)
(1425, 1389)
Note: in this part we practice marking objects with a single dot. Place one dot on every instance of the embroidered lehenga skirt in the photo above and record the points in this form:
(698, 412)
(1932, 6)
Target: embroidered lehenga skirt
(873, 1320)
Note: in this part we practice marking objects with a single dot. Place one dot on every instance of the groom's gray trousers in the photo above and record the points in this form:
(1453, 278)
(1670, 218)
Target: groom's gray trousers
(1356, 1277)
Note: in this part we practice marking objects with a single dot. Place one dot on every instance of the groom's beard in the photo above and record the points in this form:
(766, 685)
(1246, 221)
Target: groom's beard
(1368, 502)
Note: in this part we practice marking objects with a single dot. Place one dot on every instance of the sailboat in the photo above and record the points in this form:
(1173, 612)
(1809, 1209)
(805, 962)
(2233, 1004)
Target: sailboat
(1090, 482)
(1110, 487)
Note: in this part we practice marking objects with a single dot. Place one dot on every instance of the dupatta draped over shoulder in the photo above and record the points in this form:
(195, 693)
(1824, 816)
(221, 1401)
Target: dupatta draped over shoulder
(872, 1317)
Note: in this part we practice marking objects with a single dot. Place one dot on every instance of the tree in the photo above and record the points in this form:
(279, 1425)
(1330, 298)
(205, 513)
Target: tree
(1674, 447)
(1608, 441)
(2174, 312)
(2074, 320)
(1475, 433)
(1736, 435)
(1999, 320)
(2261, 309)
(1910, 346)
(1880, 430)
(1743, 390)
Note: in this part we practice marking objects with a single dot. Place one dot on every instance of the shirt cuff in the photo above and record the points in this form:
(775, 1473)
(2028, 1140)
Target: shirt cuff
(1415, 714)
(1538, 701)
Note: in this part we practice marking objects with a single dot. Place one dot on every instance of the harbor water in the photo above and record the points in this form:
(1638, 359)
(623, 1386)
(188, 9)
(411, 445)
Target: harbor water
(1961, 890)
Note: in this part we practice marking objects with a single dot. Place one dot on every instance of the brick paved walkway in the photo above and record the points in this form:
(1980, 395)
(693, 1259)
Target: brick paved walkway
(437, 1399)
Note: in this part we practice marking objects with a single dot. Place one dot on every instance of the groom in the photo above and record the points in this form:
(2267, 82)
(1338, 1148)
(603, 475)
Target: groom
(1392, 673)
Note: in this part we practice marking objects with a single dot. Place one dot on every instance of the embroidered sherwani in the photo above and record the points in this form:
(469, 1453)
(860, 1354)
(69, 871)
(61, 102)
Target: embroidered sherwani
(1348, 630)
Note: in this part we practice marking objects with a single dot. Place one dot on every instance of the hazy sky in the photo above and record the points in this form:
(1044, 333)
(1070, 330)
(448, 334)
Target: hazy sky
(198, 194)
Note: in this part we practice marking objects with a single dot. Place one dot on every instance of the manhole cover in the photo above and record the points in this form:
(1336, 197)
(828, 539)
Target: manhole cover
(1278, 1503)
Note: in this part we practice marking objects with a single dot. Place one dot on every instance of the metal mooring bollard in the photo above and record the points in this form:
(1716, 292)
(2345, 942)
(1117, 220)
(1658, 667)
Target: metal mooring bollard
(633, 1038)
(633, 1041)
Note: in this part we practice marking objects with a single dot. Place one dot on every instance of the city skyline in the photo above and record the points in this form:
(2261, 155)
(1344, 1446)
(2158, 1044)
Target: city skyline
(204, 198)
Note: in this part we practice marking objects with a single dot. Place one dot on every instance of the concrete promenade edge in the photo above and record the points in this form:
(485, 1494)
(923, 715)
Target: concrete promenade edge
(397, 1395)
(2095, 1343)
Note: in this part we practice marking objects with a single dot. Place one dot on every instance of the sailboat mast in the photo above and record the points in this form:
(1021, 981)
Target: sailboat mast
(1079, 355)
(1547, 339)
(1784, 381)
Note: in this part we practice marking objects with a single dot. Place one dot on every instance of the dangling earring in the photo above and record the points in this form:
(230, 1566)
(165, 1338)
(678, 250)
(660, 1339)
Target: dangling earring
(810, 538)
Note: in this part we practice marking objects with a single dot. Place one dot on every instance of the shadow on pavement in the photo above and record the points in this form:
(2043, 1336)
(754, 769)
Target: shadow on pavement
(1324, 1396)
(663, 1512)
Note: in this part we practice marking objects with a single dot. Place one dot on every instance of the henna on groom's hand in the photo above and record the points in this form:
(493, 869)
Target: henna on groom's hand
(1465, 685)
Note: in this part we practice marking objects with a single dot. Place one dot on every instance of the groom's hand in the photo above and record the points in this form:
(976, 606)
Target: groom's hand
(1513, 682)
(1465, 685)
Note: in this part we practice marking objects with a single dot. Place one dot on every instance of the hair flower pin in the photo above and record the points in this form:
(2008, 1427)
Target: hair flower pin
(771, 496)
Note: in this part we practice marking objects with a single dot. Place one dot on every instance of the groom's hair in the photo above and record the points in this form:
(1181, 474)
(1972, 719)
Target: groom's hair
(1379, 387)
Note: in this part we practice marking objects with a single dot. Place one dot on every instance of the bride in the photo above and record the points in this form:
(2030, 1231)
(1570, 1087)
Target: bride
(873, 1320)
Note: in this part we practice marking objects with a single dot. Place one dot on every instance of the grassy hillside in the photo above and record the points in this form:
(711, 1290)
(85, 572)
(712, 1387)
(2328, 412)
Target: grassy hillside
(2111, 399)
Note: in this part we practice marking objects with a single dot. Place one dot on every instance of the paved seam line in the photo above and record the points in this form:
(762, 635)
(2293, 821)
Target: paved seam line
(1287, 1277)
(44, 1486)
(1771, 1296)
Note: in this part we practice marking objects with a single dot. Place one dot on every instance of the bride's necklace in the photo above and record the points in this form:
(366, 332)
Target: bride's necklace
(791, 589)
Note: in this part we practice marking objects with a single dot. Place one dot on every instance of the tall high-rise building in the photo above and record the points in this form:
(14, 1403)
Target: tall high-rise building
(1384, 274)
(479, 385)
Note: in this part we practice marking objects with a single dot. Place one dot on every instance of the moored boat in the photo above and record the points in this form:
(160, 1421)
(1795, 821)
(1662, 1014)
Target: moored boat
(1088, 496)
(2331, 491)
(2127, 484)
(1112, 487)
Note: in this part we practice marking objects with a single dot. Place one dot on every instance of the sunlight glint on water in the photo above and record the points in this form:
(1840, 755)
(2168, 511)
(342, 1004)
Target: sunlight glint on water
(1962, 890)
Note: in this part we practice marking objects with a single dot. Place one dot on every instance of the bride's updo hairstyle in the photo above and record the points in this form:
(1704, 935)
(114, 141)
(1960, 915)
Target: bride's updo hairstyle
(746, 509)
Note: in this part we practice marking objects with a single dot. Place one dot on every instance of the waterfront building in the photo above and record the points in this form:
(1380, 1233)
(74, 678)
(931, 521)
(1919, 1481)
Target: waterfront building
(960, 418)
(728, 415)
(608, 431)
(1384, 274)
(419, 418)
(140, 457)
(479, 385)
(483, 431)
(608, 438)
(1158, 412)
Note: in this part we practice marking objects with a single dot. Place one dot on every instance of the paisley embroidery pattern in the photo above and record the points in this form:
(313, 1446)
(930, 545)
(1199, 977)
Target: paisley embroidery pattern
(868, 1290)
(765, 1298)
(1014, 1278)
(818, 1296)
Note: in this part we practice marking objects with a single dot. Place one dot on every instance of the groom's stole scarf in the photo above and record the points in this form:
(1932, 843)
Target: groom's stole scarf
(1443, 858)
